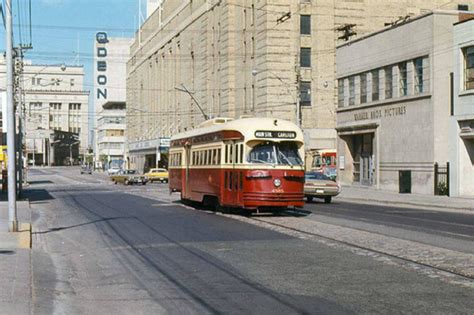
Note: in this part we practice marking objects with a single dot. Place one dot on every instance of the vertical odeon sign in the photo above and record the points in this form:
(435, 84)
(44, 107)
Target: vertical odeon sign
(102, 40)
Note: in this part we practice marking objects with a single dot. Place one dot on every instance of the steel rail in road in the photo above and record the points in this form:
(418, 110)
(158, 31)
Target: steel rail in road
(452, 272)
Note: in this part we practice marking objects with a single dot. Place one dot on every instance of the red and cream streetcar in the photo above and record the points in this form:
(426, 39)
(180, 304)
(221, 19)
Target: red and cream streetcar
(250, 163)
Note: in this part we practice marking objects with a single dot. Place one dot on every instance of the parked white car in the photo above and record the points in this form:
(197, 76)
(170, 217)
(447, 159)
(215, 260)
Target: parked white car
(113, 171)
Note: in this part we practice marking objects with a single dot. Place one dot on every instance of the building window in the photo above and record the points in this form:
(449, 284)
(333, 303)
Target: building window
(340, 92)
(351, 91)
(388, 82)
(363, 88)
(418, 65)
(469, 68)
(305, 93)
(403, 78)
(305, 57)
(305, 24)
(375, 85)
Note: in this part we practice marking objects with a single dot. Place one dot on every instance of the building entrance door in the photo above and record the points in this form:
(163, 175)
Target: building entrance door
(363, 158)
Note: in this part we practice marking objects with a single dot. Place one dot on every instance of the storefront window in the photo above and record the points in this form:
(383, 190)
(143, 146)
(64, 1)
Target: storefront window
(388, 82)
(363, 88)
(375, 85)
(340, 92)
(403, 78)
(418, 64)
(351, 91)
(469, 68)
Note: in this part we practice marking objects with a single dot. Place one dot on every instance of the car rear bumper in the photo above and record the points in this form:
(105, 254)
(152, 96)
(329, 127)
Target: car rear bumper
(321, 191)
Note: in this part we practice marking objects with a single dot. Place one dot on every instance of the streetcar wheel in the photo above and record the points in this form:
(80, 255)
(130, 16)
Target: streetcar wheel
(309, 198)
(327, 200)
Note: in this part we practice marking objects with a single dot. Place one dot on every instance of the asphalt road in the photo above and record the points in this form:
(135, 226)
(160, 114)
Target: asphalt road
(104, 248)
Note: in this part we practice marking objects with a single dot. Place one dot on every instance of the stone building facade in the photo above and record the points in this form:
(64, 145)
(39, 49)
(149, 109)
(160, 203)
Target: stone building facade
(393, 104)
(461, 132)
(253, 57)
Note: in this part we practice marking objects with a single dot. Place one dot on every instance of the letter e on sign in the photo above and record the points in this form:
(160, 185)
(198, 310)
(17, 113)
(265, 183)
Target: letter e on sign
(101, 66)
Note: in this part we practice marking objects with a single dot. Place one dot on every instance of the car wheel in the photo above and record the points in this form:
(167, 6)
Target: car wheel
(115, 182)
(327, 199)
(309, 198)
(144, 183)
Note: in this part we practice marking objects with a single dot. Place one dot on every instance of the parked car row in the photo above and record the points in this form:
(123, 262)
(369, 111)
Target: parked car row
(129, 177)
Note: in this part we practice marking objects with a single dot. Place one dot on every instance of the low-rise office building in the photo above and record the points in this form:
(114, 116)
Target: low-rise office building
(461, 132)
(393, 105)
(53, 99)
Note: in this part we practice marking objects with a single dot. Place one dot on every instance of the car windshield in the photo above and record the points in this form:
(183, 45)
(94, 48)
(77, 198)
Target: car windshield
(131, 172)
(320, 176)
(282, 153)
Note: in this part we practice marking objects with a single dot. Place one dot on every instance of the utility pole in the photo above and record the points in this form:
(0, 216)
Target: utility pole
(12, 217)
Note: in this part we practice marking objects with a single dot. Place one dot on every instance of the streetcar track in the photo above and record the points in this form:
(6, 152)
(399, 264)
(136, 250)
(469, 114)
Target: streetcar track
(397, 215)
(393, 225)
(455, 273)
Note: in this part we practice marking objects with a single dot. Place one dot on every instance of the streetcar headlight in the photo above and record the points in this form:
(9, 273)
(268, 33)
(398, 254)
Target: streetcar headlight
(277, 182)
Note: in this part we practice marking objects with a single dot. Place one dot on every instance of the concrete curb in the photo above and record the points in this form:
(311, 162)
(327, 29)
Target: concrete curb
(16, 240)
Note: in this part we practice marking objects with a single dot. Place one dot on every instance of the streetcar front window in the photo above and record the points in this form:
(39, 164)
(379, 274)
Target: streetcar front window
(281, 153)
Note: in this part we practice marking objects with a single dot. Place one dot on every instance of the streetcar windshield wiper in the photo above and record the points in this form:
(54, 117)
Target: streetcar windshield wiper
(282, 155)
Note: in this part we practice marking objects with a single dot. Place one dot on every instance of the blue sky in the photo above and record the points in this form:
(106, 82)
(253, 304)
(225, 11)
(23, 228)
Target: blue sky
(58, 26)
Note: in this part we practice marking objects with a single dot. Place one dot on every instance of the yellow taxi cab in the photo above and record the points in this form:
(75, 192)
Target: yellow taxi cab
(157, 174)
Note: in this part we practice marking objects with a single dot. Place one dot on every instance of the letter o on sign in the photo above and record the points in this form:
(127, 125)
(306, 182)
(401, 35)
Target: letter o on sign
(102, 79)
(101, 37)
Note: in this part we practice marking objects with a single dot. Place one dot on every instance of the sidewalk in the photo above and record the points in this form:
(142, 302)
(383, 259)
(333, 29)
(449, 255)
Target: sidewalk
(15, 255)
(369, 194)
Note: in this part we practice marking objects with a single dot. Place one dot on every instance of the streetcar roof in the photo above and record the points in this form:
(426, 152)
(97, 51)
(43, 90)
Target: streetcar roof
(248, 128)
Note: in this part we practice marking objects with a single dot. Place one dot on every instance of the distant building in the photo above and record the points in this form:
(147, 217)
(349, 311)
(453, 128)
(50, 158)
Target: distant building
(394, 98)
(110, 58)
(461, 132)
(53, 99)
(266, 58)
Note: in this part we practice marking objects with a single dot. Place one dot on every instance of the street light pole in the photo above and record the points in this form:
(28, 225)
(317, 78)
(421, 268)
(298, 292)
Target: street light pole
(12, 216)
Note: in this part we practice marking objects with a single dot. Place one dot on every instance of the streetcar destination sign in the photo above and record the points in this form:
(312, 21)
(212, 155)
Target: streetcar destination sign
(275, 134)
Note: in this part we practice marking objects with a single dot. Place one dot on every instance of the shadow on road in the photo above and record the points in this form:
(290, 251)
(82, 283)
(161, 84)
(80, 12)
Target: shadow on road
(270, 212)
(37, 195)
(56, 229)
(37, 182)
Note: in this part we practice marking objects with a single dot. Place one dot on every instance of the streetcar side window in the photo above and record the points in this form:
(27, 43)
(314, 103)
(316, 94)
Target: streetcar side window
(236, 149)
(241, 153)
(218, 156)
(226, 154)
(230, 154)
